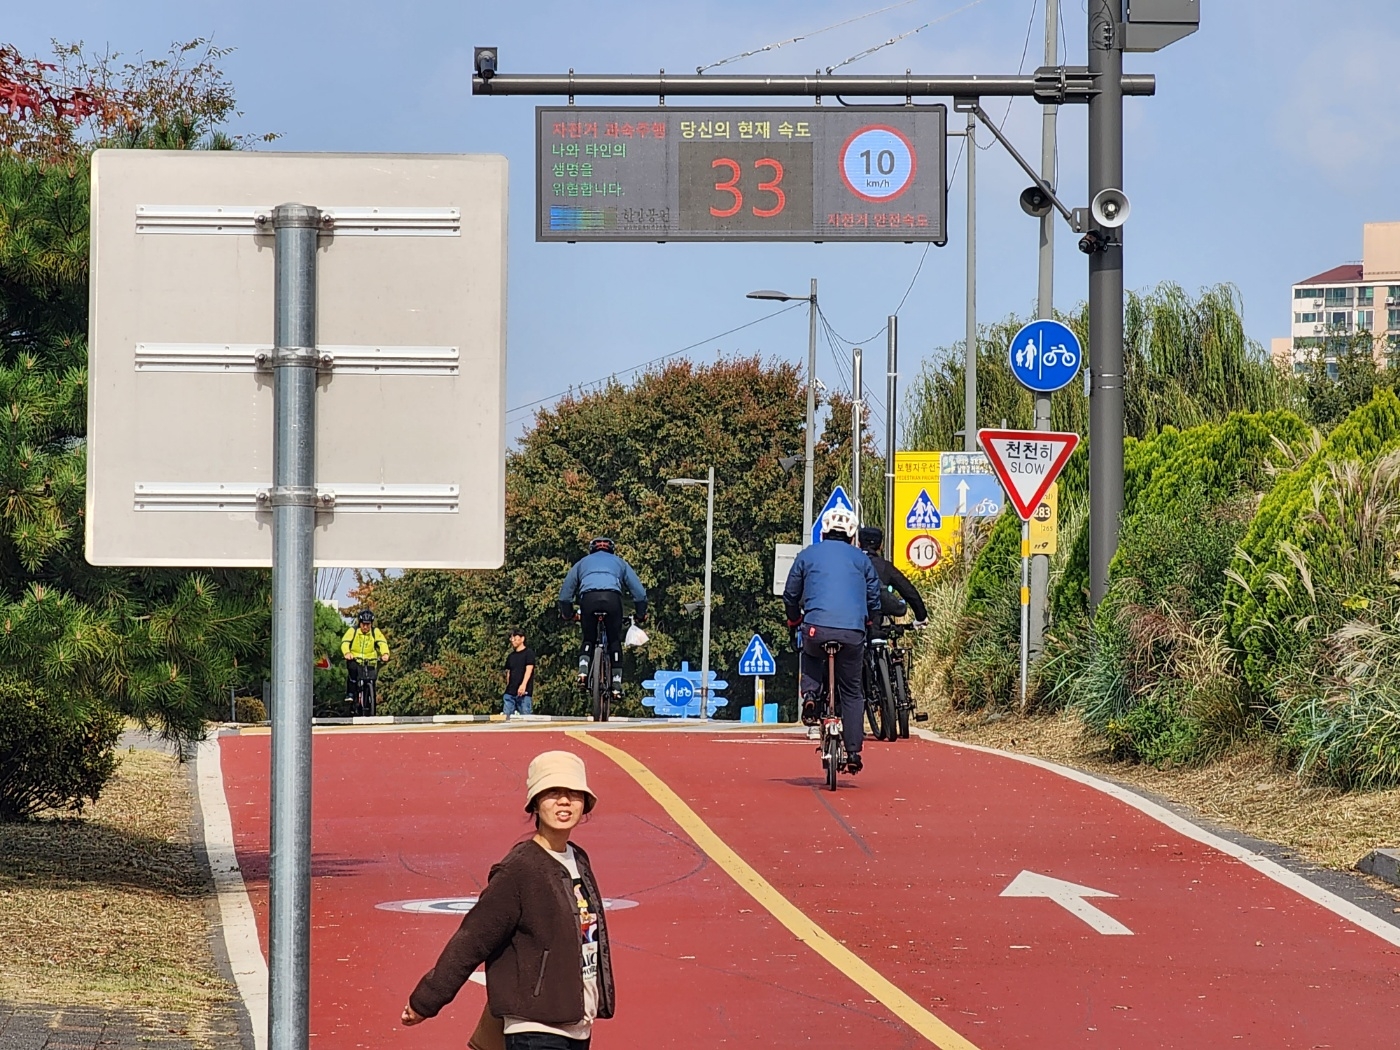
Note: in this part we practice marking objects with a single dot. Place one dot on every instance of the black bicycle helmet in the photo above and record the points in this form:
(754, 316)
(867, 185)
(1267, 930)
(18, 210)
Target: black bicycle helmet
(601, 543)
(872, 538)
(366, 616)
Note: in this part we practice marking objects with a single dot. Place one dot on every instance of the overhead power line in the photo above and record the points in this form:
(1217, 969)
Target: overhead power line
(804, 36)
(653, 361)
(896, 39)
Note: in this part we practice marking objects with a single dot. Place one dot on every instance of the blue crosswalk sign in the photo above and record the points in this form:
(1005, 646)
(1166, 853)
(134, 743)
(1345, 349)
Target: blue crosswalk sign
(838, 499)
(923, 516)
(757, 659)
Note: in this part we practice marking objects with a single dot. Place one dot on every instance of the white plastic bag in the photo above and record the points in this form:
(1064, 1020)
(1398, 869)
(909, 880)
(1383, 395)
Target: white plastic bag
(636, 637)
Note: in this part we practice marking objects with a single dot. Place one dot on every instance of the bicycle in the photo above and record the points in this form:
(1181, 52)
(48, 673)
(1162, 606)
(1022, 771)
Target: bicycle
(598, 681)
(880, 695)
(365, 694)
(899, 679)
(832, 745)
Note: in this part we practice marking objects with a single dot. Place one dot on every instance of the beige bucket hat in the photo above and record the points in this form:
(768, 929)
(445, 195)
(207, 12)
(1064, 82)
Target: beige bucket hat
(554, 769)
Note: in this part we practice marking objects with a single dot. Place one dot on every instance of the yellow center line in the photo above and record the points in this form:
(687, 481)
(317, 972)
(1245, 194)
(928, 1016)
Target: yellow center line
(760, 889)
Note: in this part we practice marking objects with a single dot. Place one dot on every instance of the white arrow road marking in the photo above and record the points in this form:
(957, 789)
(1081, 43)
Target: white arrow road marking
(963, 486)
(1069, 896)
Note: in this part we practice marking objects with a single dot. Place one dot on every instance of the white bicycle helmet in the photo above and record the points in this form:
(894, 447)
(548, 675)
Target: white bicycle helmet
(839, 519)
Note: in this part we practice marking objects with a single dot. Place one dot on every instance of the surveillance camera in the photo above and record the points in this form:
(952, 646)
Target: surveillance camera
(1093, 241)
(485, 62)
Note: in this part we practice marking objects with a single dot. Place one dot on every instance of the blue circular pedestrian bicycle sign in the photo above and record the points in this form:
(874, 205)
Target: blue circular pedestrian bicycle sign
(1045, 356)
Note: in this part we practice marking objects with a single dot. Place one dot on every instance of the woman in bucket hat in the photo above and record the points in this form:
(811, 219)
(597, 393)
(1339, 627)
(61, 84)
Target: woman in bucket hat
(539, 928)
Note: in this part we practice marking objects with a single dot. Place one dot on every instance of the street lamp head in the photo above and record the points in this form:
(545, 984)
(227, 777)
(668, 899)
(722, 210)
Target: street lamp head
(683, 483)
(768, 293)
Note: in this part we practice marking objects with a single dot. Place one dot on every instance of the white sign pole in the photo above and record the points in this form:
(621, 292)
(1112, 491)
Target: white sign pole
(294, 363)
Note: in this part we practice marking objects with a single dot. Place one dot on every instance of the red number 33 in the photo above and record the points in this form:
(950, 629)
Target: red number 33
(731, 187)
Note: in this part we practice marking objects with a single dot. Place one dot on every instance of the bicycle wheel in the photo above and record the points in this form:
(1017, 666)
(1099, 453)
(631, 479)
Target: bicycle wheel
(830, 751)
(606, 679)
(872, 703)
(887, 697)
(597, 682)
(372, 691)
(902, 703)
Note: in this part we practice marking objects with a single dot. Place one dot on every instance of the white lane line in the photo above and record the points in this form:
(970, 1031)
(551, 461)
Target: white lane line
(1271, 869)
(240, 927)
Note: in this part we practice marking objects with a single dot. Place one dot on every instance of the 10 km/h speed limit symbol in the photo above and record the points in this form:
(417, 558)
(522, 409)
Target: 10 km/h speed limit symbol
(925, 552)
(878, 163)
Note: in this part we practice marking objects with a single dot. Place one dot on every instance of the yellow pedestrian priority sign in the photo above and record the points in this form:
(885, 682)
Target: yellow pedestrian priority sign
(922, 537)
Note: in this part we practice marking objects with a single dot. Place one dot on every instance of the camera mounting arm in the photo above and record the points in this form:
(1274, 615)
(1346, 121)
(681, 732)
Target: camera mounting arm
(974, 106)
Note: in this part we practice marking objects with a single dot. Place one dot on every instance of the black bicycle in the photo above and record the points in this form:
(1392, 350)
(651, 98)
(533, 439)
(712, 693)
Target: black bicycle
(880, 696)
(598, 681)
(898, 656)
(364, 695)
(832, 744)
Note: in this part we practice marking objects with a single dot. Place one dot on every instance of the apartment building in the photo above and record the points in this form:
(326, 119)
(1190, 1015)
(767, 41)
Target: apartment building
(1346, 300)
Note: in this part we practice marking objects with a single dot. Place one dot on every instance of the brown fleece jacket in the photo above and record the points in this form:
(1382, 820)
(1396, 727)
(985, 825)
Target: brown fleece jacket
(525, 929)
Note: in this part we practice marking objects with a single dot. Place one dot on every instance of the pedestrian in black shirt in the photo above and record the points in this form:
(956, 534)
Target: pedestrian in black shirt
(520, 675)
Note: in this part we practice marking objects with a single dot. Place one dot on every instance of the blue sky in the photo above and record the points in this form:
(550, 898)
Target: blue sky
(1271, 139)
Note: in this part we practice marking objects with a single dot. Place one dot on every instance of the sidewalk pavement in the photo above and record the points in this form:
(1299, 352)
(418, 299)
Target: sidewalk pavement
(30, 1026)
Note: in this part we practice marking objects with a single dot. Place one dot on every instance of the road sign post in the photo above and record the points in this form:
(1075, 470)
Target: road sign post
(1027, 462)
(757, 662)
(190, 385)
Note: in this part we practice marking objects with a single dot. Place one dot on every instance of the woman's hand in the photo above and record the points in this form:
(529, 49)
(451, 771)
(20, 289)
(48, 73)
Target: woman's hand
(411, 1017)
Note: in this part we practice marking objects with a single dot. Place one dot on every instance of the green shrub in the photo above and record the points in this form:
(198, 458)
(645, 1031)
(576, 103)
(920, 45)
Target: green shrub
(1335, 605)
(249, 709)
(1267, 593)
(51, 758)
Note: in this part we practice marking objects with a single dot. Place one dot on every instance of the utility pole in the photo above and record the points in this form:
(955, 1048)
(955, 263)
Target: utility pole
(1106, 31)
(970, 351)
(808, 477)
(891, 419)
(857, 404)
(1045, 308)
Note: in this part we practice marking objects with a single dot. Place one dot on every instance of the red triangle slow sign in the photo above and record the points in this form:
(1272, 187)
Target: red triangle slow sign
(1027, 462)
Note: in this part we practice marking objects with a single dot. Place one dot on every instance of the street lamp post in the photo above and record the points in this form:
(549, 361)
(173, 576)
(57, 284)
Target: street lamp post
(808, 482)
(709, 566)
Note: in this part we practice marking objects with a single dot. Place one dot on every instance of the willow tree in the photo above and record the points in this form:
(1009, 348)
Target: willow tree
(1187, 361)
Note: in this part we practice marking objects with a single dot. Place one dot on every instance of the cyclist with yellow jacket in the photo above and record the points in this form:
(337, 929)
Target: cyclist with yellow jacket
(364, 647)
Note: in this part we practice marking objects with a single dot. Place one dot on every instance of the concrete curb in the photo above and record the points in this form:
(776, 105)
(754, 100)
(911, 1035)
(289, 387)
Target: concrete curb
(1383, 864)
(239, 927)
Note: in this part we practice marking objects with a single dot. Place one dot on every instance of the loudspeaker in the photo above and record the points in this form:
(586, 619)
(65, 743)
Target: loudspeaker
(1110, 208)
(1035, 202)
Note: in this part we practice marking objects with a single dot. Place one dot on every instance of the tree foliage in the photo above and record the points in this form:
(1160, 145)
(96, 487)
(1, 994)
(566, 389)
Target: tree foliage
(597, 464)
(57, 109)
(164, 646)
(1187, 361)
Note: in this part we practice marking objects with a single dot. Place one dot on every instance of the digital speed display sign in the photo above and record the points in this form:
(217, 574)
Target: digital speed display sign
(857, 173)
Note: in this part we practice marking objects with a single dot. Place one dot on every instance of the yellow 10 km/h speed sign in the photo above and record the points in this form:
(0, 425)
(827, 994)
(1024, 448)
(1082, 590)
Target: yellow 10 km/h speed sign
(922, 538)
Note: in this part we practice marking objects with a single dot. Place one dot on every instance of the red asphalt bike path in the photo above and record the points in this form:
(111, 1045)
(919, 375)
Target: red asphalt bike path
(916, 850)
(419, 815)
(905, 864)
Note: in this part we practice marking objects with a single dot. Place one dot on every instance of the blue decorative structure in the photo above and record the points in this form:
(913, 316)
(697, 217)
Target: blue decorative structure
(676, 694)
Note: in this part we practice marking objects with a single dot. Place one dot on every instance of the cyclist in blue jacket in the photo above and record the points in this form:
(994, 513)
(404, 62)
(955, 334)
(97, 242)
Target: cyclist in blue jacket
(832, 593)
(596, 582)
